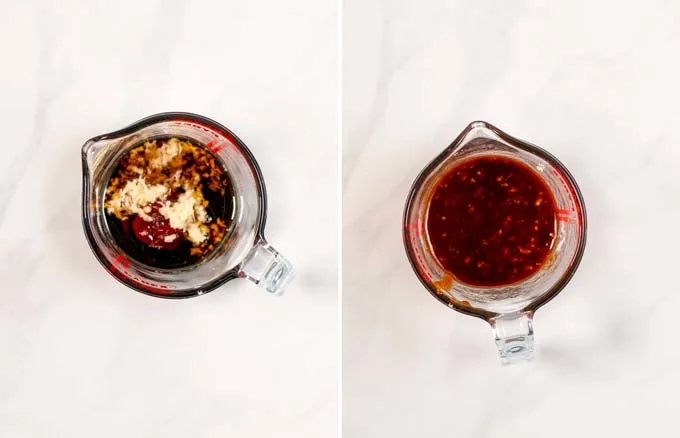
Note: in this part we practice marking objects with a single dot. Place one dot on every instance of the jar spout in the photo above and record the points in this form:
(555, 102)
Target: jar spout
(480, 136)
(91, 152)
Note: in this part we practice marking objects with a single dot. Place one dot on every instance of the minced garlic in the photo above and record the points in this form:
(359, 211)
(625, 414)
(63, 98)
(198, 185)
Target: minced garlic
(166, 153)
(135, 197)
(186, 214)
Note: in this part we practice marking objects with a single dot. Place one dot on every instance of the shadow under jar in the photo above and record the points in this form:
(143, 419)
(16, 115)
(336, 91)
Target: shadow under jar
(495, 227)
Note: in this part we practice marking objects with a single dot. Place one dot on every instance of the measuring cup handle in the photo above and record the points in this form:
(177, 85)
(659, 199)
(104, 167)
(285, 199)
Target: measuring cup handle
(514, 334)
(267, 268)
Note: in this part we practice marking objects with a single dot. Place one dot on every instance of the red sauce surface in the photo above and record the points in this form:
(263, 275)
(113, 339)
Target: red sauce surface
(157, 233)
(491, 221)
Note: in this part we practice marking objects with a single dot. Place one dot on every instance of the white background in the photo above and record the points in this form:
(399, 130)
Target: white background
(80, 354)
(597, 84)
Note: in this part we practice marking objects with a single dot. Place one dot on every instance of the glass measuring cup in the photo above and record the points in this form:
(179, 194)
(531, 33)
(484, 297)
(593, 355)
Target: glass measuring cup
(508, 309)
(244, 252)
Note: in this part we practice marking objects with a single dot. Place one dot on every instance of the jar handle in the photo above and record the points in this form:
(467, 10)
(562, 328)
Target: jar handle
(268, 269)
(514, 335)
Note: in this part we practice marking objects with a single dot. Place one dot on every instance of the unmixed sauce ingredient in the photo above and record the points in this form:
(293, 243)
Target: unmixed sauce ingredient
(169, 202)
(491, 221)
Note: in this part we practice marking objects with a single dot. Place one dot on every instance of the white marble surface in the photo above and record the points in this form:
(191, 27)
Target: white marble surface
(81, 355)
(594, 82)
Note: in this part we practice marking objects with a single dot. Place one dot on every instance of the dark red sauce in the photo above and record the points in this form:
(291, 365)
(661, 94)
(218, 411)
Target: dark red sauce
(157, 233)
(491, 221)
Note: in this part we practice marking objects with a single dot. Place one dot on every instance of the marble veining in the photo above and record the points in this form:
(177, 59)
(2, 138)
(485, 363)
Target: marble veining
(83, 356)
(595, 84)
